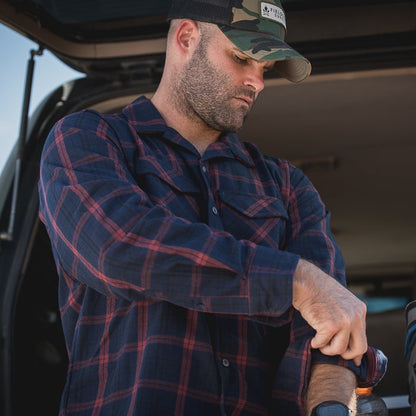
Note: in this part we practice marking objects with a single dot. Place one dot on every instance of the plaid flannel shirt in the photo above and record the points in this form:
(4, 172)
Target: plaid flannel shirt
(176, 270)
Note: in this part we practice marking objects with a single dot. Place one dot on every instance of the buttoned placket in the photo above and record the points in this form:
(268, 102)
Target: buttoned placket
(213, 214)
(214, 220)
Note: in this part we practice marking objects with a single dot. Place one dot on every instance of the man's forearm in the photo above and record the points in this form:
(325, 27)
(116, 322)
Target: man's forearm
(331, 382)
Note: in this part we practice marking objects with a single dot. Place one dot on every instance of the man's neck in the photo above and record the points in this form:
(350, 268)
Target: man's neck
(195, 131)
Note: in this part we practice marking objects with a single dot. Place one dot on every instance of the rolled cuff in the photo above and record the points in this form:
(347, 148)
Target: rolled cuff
(271, 282)
(372, 369)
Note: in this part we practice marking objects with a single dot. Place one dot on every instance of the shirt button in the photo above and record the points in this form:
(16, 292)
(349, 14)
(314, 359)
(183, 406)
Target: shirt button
(214, 211)
(204, 169)
(225, 362)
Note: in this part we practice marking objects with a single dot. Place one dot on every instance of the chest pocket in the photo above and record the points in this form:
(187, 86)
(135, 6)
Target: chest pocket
(258, 218)
(170, 189)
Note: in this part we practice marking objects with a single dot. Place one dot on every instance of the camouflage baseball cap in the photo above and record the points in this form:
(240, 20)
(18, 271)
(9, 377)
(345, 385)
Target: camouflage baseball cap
(257, 28)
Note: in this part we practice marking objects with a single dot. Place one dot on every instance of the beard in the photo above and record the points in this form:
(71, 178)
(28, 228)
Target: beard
(205, 93)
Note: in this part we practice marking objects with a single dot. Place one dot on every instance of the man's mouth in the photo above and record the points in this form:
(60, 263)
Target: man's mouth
(245, 100)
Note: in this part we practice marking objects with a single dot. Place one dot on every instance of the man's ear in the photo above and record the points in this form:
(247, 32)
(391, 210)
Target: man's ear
(187, 37)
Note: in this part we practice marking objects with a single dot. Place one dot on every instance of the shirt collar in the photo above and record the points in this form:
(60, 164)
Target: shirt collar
(229, 145)
(146, 119)
(144, 116)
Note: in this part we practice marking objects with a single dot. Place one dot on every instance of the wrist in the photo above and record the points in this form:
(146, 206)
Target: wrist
(304, 279)
(331, 383)
(331, 408)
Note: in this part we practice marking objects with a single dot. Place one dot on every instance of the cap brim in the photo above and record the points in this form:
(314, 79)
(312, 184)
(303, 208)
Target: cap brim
(290, 64)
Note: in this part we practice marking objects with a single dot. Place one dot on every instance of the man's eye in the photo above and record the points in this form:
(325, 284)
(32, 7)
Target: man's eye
(239, 60)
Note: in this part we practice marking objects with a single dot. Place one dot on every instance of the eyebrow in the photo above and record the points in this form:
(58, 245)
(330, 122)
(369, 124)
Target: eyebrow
(270, 64)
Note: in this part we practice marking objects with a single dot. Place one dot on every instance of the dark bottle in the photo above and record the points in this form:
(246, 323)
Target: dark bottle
(369, 404)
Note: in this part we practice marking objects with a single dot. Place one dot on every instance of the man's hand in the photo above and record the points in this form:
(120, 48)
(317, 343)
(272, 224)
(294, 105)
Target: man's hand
(332, 310)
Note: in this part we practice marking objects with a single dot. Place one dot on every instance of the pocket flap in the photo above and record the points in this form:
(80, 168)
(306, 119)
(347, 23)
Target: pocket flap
(253, 205)
(172, 177)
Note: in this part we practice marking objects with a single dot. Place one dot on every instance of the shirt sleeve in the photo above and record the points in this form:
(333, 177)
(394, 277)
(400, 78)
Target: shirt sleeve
(309, 233)
(107, 234)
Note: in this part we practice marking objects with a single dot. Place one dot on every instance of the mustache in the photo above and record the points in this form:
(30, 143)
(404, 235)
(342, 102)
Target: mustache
(245, 92)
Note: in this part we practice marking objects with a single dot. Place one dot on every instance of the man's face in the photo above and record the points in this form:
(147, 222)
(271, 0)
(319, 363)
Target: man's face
(213, 87)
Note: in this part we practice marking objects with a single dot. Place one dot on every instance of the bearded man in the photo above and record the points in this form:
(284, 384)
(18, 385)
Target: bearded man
(197, 275)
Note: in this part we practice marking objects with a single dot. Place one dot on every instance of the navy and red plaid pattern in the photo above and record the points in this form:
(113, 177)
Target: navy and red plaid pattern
(176, 270)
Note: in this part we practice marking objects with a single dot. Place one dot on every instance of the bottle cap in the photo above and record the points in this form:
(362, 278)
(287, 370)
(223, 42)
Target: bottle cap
(364, 391)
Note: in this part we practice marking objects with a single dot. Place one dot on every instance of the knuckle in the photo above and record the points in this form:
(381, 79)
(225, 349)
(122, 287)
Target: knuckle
(362, 307)
(332, 328)
(346, 321)
(360, 312)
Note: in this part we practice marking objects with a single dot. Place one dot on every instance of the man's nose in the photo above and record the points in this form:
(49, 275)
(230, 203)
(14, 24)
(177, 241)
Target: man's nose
(255, 79)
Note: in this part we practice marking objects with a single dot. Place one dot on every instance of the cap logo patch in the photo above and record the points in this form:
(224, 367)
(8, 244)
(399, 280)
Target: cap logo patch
(272, 12)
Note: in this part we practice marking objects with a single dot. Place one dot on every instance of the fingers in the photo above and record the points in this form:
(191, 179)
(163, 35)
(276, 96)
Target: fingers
(357, 360)
(349, 345)
(321, 339)
(356, 348)
(337, 345)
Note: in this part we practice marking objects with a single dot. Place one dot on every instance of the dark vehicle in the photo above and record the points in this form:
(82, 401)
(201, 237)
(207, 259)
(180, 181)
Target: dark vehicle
(350, 127)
